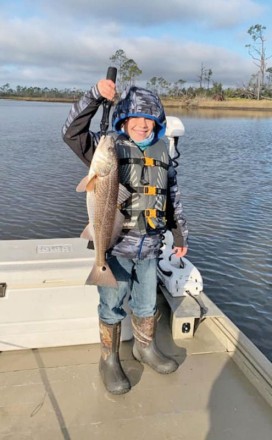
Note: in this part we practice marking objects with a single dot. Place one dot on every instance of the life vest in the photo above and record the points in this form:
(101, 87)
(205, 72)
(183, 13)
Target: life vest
(144, 174)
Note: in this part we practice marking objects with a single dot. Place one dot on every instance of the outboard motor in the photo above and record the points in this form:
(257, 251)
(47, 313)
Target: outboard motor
(178, 275)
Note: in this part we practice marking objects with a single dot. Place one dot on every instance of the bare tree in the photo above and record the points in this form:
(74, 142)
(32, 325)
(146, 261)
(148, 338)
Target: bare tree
(257, 51)
(201, 77)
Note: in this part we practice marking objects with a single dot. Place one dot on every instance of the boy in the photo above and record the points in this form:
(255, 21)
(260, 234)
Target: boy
(145, 169)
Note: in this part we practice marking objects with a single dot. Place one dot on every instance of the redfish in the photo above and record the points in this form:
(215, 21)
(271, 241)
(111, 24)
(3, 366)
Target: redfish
(104, 194)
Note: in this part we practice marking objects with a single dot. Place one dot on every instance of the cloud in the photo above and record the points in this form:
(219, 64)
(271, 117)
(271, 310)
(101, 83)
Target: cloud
(69, 43)
(183, 61)
(223, 13)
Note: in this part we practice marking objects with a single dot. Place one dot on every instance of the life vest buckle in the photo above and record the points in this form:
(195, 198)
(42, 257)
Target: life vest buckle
(150, 213)
(150, 190)
(149, 161)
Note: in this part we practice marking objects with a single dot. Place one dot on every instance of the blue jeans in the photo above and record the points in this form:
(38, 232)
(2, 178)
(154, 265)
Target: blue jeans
(139, 278)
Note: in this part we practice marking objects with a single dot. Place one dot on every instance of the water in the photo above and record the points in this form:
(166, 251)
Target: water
(225, 174)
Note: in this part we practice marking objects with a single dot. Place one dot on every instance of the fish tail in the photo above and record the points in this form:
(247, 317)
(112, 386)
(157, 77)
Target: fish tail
(101, 276)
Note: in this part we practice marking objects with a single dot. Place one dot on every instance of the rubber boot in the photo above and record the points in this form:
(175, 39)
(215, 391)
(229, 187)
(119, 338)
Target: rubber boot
(145, 349)
(110, 368)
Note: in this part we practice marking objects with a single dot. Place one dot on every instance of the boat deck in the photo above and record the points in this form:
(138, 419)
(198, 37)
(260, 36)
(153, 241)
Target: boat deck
(57, 393)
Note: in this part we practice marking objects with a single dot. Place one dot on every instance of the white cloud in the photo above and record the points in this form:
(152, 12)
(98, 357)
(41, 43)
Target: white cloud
(57, 49)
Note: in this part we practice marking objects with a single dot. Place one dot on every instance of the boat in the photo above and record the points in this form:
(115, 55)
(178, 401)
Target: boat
(50, 386)
(49, 381)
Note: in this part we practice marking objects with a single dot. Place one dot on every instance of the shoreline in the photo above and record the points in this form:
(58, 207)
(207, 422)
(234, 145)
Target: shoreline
(228, 104)
(192, 104)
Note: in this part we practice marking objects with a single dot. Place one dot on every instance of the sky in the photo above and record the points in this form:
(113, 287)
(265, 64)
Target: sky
(68, 43)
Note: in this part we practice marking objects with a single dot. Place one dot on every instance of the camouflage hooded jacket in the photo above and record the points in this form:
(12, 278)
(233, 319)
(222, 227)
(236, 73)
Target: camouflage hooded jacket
(77, 134)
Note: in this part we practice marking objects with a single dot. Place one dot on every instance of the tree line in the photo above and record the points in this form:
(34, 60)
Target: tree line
(259, 85)
(6, 91)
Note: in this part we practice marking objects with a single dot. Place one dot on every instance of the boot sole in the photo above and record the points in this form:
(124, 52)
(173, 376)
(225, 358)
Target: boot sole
(118, 393)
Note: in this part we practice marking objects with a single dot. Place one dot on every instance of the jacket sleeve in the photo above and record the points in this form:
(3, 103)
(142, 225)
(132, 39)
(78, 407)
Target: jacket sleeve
(76, 130)
(176, 221)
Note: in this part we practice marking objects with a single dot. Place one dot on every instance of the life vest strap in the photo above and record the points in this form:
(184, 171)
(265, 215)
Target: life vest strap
(148, 213)
(147, 190)
(154, 213)
(146, 216)
(146, 161)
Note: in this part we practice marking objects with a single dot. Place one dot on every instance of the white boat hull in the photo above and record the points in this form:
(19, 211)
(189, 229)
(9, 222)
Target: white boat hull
(46, 302)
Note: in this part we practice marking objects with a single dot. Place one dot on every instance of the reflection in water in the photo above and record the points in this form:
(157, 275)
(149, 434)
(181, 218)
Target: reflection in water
(225, 174)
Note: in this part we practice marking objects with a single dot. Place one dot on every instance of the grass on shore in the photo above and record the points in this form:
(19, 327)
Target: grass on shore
(238, 103)
(198, 102)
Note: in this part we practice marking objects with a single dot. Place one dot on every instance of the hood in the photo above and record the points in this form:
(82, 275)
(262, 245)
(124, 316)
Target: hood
(139, 102)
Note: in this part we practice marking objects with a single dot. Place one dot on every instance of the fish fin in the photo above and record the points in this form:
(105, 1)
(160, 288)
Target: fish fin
(81, 187)
(87, 233)
(87, 183)
(123, 194)
(101, 276)
(91, 184)
(117, 227)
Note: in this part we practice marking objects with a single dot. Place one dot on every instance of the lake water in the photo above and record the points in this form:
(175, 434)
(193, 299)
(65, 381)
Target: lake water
(225, 174)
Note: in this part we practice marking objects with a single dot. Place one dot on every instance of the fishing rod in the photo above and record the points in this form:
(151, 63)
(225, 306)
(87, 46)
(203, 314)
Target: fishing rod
(104, 125)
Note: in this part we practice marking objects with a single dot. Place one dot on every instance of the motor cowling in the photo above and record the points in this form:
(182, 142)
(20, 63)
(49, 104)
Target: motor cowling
(178, 275)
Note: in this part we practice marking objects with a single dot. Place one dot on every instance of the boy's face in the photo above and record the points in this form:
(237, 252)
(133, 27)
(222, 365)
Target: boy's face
(139, 129)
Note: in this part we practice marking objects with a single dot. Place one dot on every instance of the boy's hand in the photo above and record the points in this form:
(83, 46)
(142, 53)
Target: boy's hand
(180, 251)
(107, 89)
